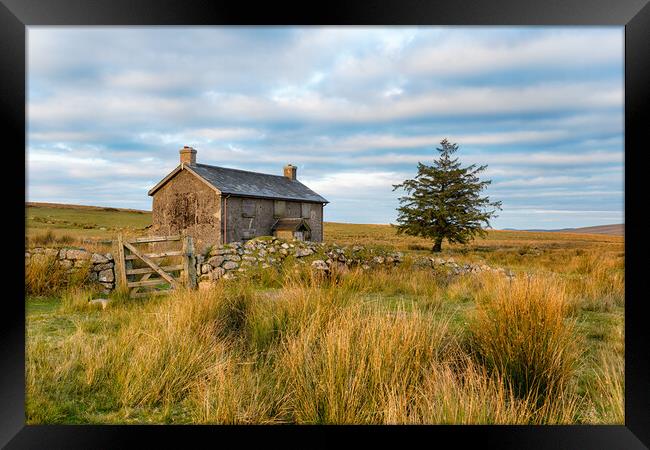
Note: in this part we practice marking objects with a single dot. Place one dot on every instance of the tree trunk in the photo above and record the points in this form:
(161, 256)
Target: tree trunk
(437, 246)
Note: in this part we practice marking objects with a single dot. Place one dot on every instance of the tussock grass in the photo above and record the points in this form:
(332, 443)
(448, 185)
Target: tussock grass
(521, 331)
(387, 345)
(44, 276)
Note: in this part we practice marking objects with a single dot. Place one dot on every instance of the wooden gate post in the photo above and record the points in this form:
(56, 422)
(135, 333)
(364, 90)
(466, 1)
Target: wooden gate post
(120, 268)
(189, 262)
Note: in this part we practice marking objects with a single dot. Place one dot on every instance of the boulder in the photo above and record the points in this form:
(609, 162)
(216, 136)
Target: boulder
(300, 252)
(51, 252)
(319, 264)
(230, 265)
(99, 302)
(100, 267)
(215, 261)
(66, 263)
(106, 276)
(78, 254)
(96, 258)
(217, 273)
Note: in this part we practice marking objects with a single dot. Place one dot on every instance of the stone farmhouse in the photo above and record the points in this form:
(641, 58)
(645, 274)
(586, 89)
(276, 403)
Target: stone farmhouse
(217, 205)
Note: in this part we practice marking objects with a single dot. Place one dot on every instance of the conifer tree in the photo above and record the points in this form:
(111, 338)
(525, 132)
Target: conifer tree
(443, 201)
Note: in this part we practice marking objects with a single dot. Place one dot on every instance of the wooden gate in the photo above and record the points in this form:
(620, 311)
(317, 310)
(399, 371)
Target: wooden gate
(137, 271)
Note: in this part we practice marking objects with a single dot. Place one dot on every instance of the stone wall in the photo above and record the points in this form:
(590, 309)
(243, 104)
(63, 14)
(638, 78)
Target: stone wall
(228, 261)
(101, 266)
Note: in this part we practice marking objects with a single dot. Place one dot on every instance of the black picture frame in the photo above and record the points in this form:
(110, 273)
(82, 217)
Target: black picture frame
(634, 15)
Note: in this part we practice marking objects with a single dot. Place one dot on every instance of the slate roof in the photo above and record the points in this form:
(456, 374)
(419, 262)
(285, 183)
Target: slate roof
(251, 184)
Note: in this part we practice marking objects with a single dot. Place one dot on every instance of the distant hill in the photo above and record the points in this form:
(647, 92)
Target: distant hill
(82, 207)
(611, 230)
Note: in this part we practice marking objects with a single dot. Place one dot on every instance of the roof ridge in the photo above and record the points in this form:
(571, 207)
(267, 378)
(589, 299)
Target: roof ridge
(242, 170)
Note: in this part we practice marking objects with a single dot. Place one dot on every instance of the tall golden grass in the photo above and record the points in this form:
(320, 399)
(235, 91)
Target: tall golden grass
(318, 350)
(521, 330)
(44, 276)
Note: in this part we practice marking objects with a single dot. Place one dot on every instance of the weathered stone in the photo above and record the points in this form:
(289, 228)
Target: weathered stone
(249, 258)
(51, 252)
(378, 259)
(205, 268)
(107, 285)
(99, 302)
(37, 250)
(217, 273)
(100, 267)
(365, 266)
(300, 252)
(81, 263)
(216, 261)
(285, 245)
(106, 276)
(66, 263)
(284, 251)
(232, 258)
(78, 254)
(230, 265)
(96, 258)
(319, 264)
(92, 276)
(108, 256)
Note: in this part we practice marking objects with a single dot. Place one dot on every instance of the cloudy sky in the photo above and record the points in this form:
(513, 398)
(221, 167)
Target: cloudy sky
(355, 108)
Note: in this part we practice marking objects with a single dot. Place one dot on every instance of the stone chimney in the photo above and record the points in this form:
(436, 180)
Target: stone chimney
(188, 155)
(290, 172)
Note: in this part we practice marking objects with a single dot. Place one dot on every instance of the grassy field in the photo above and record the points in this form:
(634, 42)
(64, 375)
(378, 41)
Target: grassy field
(401, 345)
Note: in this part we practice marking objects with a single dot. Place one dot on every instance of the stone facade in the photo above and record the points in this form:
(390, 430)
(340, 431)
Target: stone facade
(186, 204)
(241, 226)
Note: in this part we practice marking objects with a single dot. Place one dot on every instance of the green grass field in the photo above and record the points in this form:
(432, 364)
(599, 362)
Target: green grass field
(392, 346)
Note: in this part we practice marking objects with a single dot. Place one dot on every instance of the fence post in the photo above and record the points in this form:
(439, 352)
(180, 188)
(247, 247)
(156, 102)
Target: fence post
(189, 262)
(120, 269)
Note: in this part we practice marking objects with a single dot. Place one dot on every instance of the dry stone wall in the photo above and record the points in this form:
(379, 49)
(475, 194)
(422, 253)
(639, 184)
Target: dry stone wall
(227, 261)
(101, 266)
(230, 260)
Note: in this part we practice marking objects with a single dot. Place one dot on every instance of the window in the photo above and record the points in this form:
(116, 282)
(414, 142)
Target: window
(305, 210)
(279, 208)
(248, 208)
